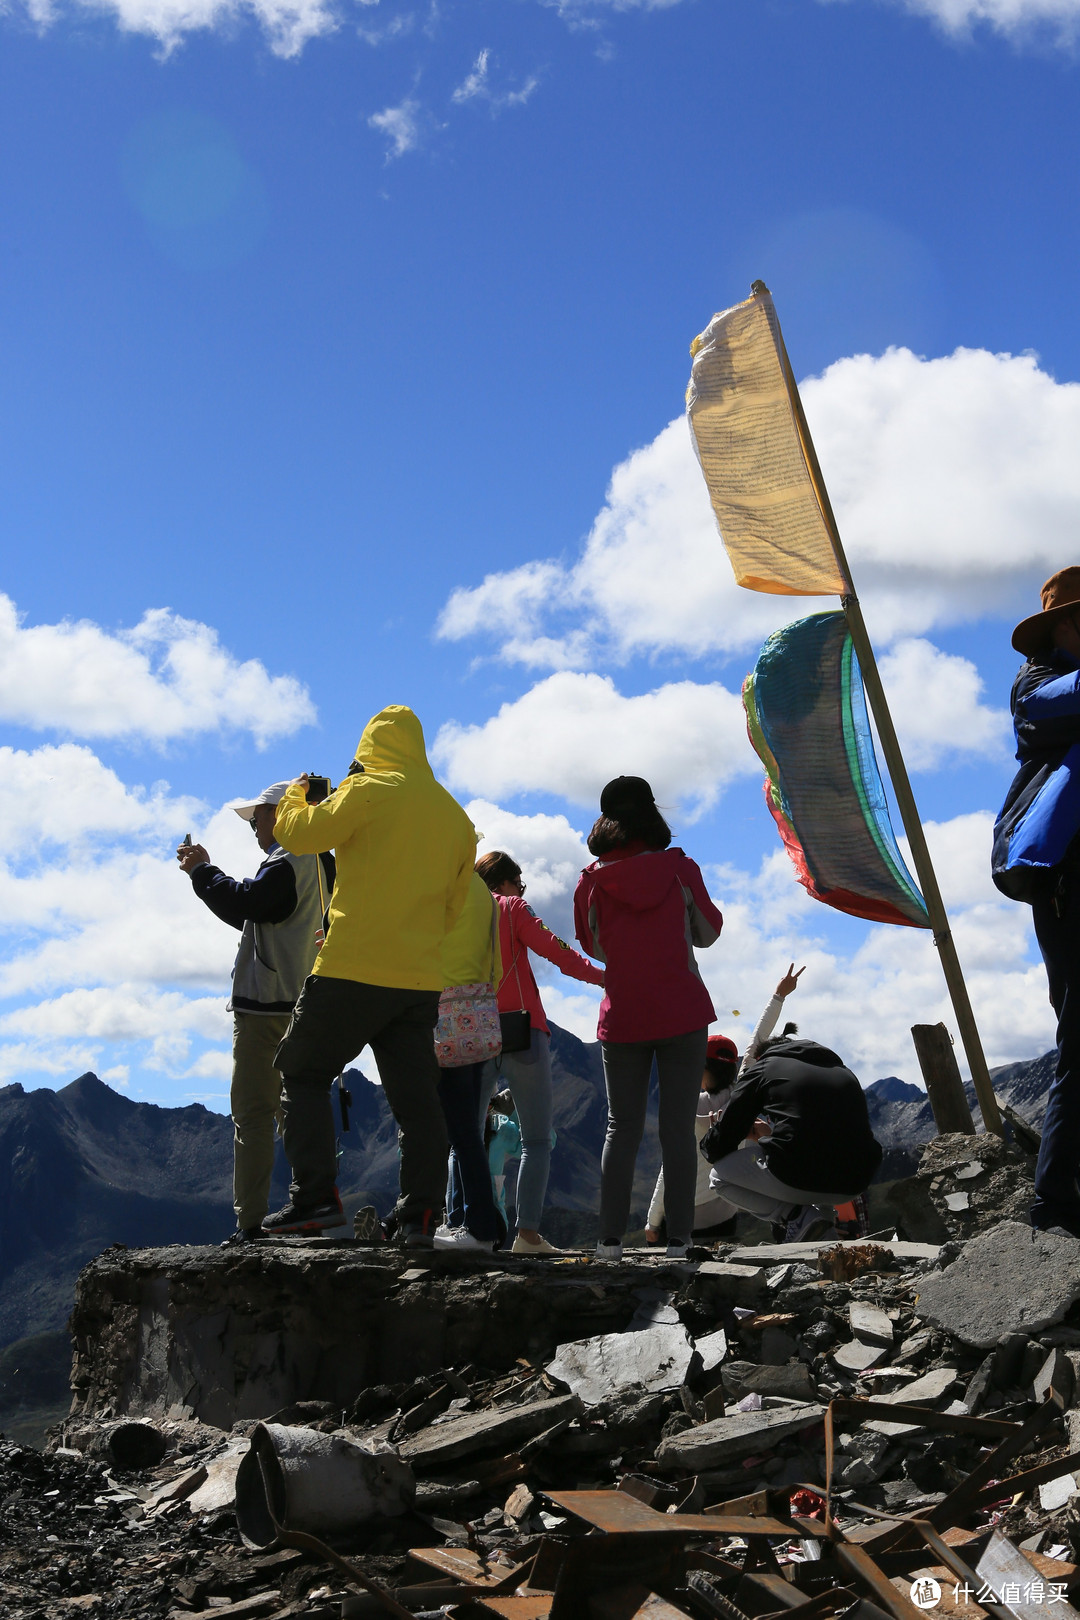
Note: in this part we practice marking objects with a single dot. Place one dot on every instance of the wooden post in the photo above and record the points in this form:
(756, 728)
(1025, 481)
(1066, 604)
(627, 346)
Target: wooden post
(944, 1087)
(894, 760)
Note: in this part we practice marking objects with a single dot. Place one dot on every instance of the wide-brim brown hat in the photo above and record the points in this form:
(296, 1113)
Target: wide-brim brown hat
(1060, 597)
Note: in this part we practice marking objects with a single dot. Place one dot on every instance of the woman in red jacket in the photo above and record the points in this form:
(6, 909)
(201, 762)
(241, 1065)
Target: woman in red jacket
(527, 1074)
(641, 907)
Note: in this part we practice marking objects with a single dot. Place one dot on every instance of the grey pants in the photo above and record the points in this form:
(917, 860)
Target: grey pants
(746, 1181)
(627, 1066)
(333, 1021)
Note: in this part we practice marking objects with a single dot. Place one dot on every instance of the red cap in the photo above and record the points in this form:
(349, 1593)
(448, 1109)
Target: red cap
(723, 1048)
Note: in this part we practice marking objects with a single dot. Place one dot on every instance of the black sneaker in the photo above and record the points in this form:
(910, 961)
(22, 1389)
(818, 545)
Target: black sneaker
(419, 1234)
(306, 1219)
(243, 1234)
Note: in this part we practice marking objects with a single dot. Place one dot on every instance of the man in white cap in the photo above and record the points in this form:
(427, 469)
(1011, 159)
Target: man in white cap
(280, 913)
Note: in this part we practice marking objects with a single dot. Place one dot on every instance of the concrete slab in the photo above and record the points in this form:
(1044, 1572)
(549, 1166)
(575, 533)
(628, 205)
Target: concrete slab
(1010, 1279)
(651, 1358)
(504, 1428)
(870, 1323)
(726, 1439)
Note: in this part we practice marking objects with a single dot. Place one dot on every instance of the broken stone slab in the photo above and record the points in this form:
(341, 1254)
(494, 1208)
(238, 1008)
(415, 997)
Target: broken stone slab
(719, 1283)
(748, 1378)
(501, 1429)
(651, 1358)
(726, 1439)
(870, 1323)
(1009, 1279)
(857, 1357)
(179, 1489)
(1054, 1493)
(218, 1490)
(1057, 1373)
(928, 1390)
(712, 1348)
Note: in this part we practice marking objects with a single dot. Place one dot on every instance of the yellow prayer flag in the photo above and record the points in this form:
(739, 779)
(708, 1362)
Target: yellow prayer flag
(746, 434)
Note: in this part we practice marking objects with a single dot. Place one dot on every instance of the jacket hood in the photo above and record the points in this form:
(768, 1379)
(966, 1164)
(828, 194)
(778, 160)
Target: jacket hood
(641, 882)
(393, 740)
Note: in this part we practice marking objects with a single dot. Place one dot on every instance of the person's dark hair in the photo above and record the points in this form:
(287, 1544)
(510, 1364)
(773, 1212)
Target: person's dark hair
(628, 815)
(777, 1040)
(722, 1069)
(497, 867)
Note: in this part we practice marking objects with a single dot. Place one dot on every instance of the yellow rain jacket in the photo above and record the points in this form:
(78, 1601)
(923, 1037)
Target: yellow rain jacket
(405, 851)
(471, 953)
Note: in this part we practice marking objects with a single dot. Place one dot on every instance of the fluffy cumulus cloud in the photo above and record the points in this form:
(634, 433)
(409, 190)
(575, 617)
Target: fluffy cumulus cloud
(1018, 19)
(165, 678)
(572, 732)
(287, 25)
(104, 949)
(936, 702)
(956, 487)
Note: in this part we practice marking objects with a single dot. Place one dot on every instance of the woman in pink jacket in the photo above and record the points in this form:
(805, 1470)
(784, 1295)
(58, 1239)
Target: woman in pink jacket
(640, 908)
(527, 1074)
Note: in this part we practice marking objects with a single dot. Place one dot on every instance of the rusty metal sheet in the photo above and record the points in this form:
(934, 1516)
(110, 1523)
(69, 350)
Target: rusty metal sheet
(533, 1606)
(467, 1566)
(616, 1513)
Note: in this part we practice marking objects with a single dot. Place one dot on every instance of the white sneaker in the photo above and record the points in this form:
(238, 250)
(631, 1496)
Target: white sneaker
(609, 1251)
(677, 1251)
(526, 1246)
(459, 1237)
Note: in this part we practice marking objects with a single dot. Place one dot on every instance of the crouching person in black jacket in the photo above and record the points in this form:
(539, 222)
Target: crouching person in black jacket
(280, 914)
(810, 1147)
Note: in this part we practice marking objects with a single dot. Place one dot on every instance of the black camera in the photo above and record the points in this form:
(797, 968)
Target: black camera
(318, 789)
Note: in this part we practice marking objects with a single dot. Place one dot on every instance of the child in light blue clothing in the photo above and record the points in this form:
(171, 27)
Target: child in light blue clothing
(502, 1135)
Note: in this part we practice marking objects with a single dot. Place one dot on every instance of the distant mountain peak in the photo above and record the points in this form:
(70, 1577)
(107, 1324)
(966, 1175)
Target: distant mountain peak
(893, 1089)
(15, 1089)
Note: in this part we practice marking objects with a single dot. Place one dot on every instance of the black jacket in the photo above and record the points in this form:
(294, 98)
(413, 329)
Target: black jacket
(821, 1138)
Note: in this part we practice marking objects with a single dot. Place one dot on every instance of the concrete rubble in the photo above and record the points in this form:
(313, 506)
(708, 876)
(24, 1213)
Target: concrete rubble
(781, 1427)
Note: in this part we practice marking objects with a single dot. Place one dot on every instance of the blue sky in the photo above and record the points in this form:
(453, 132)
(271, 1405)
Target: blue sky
(350, 335)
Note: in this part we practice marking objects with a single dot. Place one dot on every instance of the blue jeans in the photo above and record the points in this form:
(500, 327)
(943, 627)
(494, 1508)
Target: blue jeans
(459, 1093)
(527, 1077)
(1057, 928)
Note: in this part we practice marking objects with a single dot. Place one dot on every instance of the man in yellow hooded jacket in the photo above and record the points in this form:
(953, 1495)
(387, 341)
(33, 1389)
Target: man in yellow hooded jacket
(405, 850)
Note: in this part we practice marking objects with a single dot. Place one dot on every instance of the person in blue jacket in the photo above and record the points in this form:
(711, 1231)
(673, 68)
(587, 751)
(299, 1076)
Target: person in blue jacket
(1037, 858)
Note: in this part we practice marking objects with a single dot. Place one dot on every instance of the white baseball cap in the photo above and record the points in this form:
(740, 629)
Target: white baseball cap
(271, 795)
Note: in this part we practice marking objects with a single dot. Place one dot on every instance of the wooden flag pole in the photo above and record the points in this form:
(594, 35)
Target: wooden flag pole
(894, 759)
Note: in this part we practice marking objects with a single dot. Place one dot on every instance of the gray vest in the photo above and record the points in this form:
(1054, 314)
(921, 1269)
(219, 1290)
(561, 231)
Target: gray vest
(274, 959)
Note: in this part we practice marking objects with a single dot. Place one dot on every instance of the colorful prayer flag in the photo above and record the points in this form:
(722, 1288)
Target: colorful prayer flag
(806, 715)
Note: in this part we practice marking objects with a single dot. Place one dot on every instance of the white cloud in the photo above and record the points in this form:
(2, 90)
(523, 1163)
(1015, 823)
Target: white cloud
(1014, 18)
(935, 699)
(573, 732)
(477, 86)
(956, 485)
(287, 25)
(164, 679)
(400, 125)
(63, 794)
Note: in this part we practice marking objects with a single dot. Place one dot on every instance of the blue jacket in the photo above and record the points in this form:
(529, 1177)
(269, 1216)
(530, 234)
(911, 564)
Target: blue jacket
(1041, 814)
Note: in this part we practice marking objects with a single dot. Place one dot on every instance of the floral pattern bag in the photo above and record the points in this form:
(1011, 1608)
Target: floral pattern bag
(468, 1030)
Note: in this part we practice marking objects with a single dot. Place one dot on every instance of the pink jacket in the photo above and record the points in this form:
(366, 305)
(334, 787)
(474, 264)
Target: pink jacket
(521, 931)
(642, 911)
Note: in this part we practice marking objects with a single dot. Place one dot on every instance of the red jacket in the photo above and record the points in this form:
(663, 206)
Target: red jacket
(642, 911)
(521, 931)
